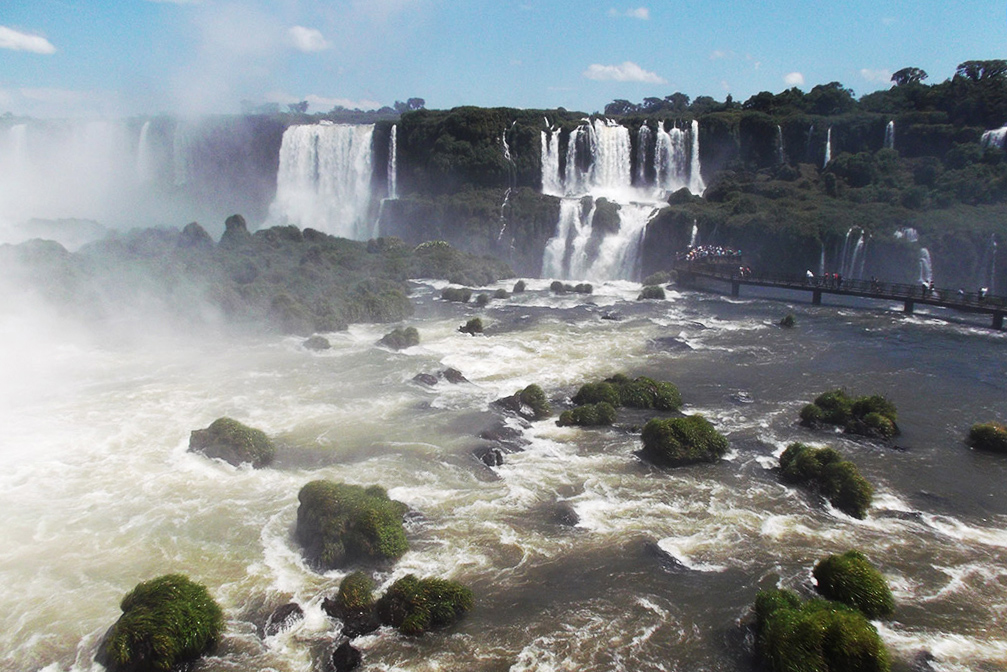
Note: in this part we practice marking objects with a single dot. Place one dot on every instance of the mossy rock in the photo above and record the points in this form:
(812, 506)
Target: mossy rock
(401, 338)
(788, 321)
(338, 524)
(619, 390)
(165, 622)
(233, 442)
(472, 327)
(415, 606)
(533, 397)
(675, 442)
(850, 578)
(824, 470)
(594, 393)
(456, 294)
(354, 605)
(815, 636)
(651, 292)
(519, 287)
(659, 278)
(873, 416)
(317, 343)
(590, 415)
(989, 436)
(501, 294)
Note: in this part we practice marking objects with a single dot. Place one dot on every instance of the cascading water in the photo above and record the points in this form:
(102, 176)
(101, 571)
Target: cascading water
(696, 183)
(619, 253)
(670, 159)
(890, 135)
(144, 160)
(644, 139)
(554, 259)
(780, 157)
(324, 179)
(995, 137)
(926, 267)
(821, 262)
(828, 148)
(393, 172)
(182, 153)
(552, 180)
(693, 238)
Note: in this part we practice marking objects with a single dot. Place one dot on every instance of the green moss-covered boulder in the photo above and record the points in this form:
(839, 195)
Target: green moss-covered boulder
(401, 338)
(415, 606)
(338, 524)
(590, 415)
(472, 327)
(824, 470)
(788, 321)
(165, 622)
(233, 442)
(651, 292)
(354, 605)
(456, 294)
(533, 397)
(850, 578)
(989, 436)
(815, 636)
(874, 416)
(593, 393)
(643, 392)
(673, 442)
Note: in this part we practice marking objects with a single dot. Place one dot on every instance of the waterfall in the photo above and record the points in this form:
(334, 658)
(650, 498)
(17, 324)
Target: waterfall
(324, 179)
(995, 137)
(144, 160)
(859, 253)
(695, 234)
(619, 253)
(696, 184)
(845, 253)
(890, 135)
(670, 160)
(987, 270)
(393, 173)
(926, 268)
(821, 262)
(643, 142)
(780, 158)
(828, 148)
(552, 180)
(556, 249)
(993, 263)
(610, 153)
(181, 153)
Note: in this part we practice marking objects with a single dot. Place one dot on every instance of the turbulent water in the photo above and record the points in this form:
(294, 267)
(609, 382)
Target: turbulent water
(98, 491)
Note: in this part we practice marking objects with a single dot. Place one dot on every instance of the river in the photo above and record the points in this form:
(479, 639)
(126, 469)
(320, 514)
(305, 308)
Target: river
(98, 491)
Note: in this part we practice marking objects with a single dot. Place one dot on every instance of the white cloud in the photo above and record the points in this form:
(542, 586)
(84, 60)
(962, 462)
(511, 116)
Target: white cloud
(641, 13)
(793, 79)
(627, 72)
(876, 76)
(12, 39)
(307, 39)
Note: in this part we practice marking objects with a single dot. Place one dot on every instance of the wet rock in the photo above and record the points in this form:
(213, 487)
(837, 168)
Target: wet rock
(667, 561)
(489, 455)
(317, 342)
(427, 379)
(235, 233)
(508, 437)
(233, 442)
(356, 623)
(195, 237)
(669, 344)
(564, 514)
(454, 376)
(283, 618)
(922, 662)
(345, 658)
(615, 317)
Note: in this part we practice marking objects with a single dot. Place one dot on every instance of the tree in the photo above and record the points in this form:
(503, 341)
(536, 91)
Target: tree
(620, 107)
(829, 99)
(678, 101)
(979, 71)
(650, 105)
(909, 76)
(298, 108)
(411, 105)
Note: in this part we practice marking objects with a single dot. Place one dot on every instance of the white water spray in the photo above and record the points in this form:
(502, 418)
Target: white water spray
(828, 148)
(144, 160)
(393, 172)
(926, 268)
(890, 135)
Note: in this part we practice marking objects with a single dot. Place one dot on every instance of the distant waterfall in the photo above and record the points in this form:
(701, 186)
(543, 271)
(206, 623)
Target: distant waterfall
(780, 158)
(821, 262)
(599, 163)
(695, 234)
(393, 172)
(144, 160)
(890, 135)
(995, 137)
(926, 268)
(828, 148)
(324, 179)
(987, 270)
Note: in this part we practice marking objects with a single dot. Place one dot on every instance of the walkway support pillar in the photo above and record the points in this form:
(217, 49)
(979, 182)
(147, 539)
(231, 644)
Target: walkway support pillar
(998, 319)
(816, 297)
(735, 288)
(910, 304)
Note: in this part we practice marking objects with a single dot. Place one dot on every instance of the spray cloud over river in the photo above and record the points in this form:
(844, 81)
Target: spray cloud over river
(659, 570)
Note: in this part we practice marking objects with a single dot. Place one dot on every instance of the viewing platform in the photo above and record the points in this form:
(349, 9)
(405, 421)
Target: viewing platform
(689, 273)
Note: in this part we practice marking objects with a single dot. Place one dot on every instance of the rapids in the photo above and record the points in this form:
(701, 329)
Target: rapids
(98, 491)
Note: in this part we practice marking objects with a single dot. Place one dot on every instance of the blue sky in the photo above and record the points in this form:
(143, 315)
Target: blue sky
(126, 57)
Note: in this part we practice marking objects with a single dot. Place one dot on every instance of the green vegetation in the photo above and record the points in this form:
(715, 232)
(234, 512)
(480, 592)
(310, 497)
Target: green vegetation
(675, 442)
(815, 636)
(788, 321)
(533, 397)
(824, 470)
(873, 416)
(619, 390)
(659, 278)
(557, 287)
(519, 287)
(501, 294)
(401, 338)
(589, 415)
(850, 578)
(456, 294)
(356, 594)
(415, 606)
(651, 292)
(472, 327)
(989, 436)
(338, 524)
(233, 442)
(165, 622)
